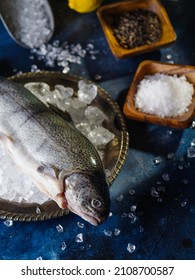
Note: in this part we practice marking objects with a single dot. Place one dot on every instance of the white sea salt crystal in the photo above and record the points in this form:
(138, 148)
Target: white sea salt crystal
(164, 95)
(94, 115)
(79, 238)
(100, 136)
(8, 223)
(131, 247)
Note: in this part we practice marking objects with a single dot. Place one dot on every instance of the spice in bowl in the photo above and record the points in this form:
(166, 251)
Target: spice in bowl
(136, 28)
(164, 95)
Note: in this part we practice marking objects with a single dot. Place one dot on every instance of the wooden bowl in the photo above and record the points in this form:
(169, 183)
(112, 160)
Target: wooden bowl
(148, 67)
(107, 13)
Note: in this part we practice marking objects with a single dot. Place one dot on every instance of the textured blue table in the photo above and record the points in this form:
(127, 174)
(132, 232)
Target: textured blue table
(163, 223)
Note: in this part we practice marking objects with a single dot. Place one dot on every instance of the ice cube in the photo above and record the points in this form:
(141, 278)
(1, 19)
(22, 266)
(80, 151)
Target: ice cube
(100, 136)
(63, 92)
(87, 92)
(94, 115)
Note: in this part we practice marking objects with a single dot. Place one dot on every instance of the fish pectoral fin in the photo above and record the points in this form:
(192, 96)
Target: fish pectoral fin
(64, 115)
(47, 169)
(5, 139)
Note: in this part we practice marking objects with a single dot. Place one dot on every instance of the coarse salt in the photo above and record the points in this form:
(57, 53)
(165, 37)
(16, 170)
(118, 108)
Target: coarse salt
(164, 95)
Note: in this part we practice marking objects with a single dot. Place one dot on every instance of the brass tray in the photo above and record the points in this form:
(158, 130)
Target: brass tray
(116, 150)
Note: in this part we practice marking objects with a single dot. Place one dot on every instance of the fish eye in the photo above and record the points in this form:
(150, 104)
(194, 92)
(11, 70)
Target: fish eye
(96, 203)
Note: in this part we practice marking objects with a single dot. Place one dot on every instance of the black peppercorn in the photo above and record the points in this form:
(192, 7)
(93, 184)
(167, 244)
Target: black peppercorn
(136, 28)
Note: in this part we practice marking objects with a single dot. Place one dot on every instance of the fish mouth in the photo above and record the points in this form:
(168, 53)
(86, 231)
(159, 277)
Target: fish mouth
(94, 220)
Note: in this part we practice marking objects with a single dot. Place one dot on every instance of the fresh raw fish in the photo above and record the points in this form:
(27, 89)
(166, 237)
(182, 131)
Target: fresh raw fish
(53, 153)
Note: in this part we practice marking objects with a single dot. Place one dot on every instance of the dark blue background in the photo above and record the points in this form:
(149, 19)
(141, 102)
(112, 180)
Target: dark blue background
(164, 229)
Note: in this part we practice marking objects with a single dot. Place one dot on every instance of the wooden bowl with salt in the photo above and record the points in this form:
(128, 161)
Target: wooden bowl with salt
(107, 14)
(146, 68)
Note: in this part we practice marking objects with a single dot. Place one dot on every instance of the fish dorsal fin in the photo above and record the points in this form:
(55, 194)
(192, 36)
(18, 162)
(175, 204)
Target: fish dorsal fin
(63, 114)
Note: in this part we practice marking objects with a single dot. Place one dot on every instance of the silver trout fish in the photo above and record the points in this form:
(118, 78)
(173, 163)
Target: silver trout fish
(60, 161)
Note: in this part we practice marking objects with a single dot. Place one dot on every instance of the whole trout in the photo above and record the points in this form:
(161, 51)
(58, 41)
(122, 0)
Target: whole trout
(48, 148)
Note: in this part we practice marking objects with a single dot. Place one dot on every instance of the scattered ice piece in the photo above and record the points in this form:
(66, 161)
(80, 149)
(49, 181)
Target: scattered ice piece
(154, 193)
(38, 210)
(110, 214)
(133, 217)
(124, 215)
(157, 160)
(108, 172)
(80, 225)
(133, 208)
(192, 143)
(169, 56)
(87, 92)
(97, 77)
(39, 258)
(8, 223)
(100, 136)
(185, 181)
(131, 247)
(166, 177)
(116, 231)
(180, 166)
(171, 61)
(79, 238)
(59, 228)
(184, 203)
(141, 229)
(191, 152)
(170, 155)
(94, 115)
(193, 125)
(132, 192)
(119, 198)
(159, 199)
(108, 232)
(63, 246)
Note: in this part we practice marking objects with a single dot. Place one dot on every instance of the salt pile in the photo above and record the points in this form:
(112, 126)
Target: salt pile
(14, 185)
(164, 95)
(32, 21)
